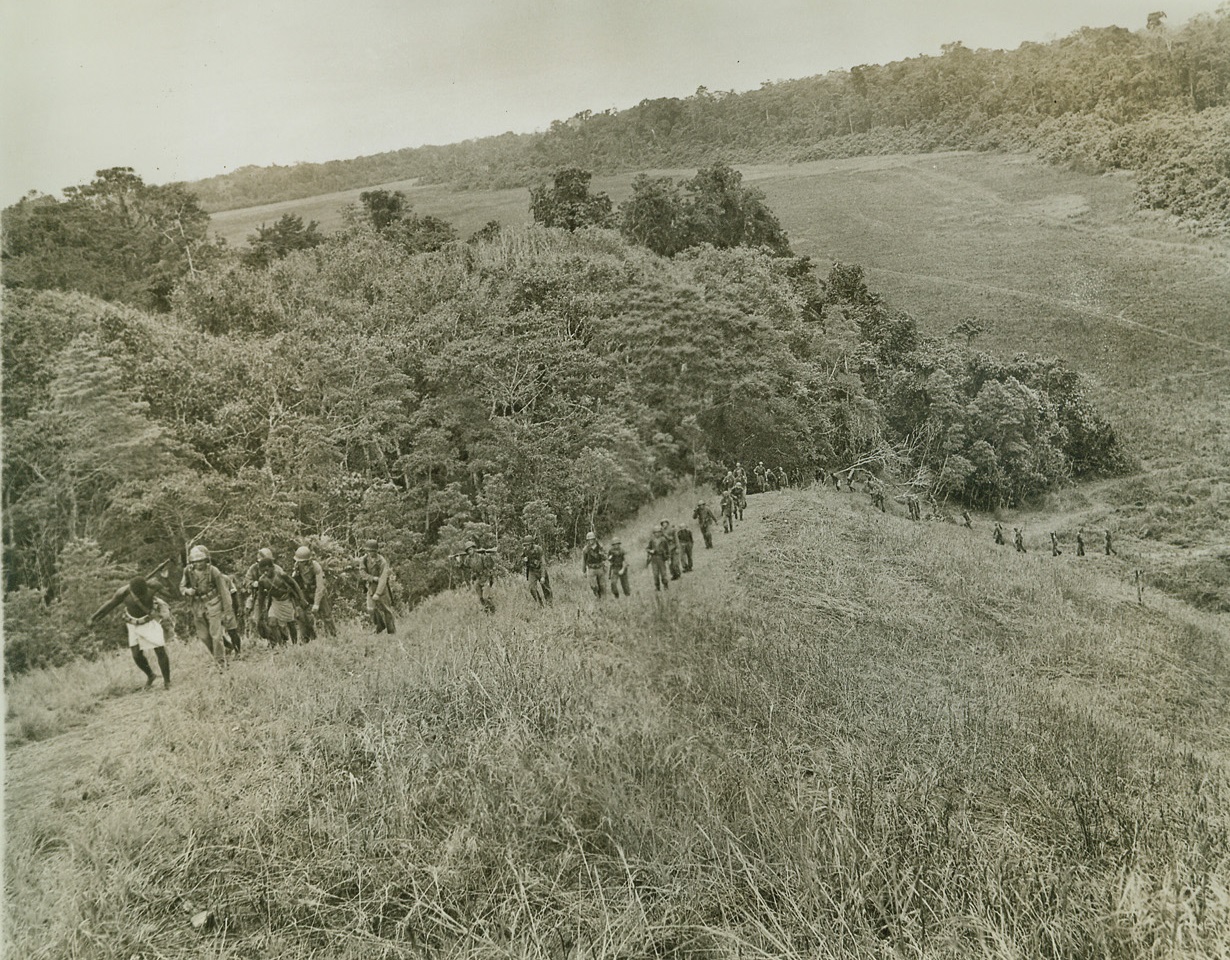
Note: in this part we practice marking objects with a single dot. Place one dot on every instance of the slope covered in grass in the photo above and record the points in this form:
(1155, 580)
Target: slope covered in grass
(842, 735)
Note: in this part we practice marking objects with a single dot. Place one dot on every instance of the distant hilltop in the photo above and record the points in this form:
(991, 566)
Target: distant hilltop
(1100, 98)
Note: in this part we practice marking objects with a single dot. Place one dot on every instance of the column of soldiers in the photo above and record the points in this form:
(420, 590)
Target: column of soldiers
(289, 608)
(1018, 541)
(875, 489)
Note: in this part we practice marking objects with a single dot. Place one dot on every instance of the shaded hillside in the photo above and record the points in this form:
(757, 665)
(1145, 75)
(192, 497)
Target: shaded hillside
(843, 734)
(1152, 100)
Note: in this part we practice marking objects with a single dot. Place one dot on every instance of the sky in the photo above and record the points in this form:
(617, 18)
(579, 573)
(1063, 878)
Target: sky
(186, 90)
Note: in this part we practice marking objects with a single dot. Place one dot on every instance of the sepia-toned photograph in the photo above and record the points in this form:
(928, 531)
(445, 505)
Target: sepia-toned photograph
(615, 480)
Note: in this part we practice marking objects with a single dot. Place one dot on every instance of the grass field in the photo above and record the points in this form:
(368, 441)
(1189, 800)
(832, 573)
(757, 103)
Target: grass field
(843, 735)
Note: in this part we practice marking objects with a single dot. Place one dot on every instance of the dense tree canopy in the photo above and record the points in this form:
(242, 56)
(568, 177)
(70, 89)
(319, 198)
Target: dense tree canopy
(116, 238)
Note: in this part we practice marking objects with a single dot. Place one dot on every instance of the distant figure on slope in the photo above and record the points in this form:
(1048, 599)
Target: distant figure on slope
(672, 543)
(1018, 540)
(618, 563)
(1055, 551)
(375, 572)
(478, 566)
(1110, 550)
(740, 476)
(143, 616)
(536, 575)
(704, 516)
(684, 536)
(593, 564)
(998, 534)
(1080, 543)
(966, 521)
(659, 556)
(876, 490)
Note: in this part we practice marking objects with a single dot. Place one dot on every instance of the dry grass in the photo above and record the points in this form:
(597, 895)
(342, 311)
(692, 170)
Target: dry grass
(844, 735)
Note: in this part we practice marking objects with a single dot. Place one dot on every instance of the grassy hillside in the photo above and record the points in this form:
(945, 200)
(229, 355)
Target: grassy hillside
(844, 734)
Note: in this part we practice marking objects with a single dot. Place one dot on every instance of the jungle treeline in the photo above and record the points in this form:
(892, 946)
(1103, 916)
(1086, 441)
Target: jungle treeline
(1154, 100)
(536, 380)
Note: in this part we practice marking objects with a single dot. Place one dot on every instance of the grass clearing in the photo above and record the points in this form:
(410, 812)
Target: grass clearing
(844, 735)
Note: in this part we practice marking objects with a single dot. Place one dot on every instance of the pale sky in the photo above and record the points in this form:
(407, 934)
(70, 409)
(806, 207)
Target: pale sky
(185, 90)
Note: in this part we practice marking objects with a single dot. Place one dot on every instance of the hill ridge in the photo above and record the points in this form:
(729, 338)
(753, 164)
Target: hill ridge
(838, 711)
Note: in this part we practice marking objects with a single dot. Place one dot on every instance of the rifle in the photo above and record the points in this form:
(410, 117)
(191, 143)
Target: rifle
(159, 569)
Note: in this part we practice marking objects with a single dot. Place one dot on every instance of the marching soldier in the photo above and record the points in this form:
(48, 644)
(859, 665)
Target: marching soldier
(375, 572)
(618, 563)
(738, 495)
(727, 505)
(230, 617)
(143, 616)
(684, 536)
(672, 543)
(316, 615)
(1018, 540)
(704, 516)
(998, 534)
(758, 472)
(659, 556)
(740, 476)
(783, 478)
(209, 598)
(876, 489)
(286, 603)
(257, 605)
(593, 564)
(536, 575)
(479, 567)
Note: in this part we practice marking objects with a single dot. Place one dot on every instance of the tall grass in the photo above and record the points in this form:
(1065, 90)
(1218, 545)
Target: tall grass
(843, 735)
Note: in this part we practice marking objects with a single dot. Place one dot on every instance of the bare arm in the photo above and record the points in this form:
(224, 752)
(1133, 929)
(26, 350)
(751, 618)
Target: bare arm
(110, 605)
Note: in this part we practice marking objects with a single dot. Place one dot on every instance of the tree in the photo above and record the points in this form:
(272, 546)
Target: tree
(725, 213)
(286, 236)
(393, 219)
(713, 207)
(116, 237)
(656, 216)
(384, 208)
(568, 203)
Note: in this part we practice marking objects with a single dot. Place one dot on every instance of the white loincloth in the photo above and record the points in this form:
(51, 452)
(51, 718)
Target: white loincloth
(146, 635)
